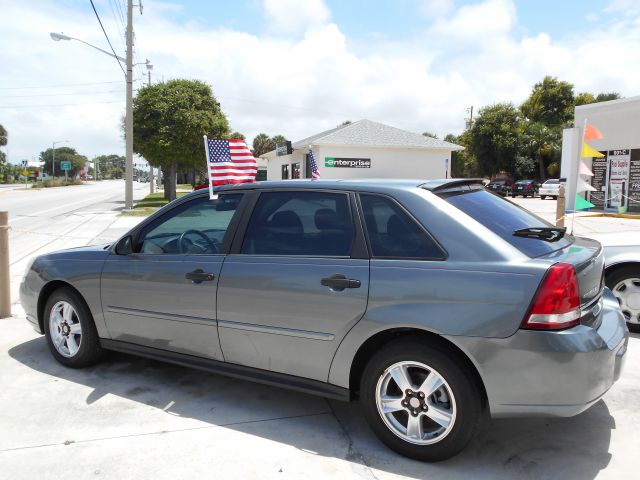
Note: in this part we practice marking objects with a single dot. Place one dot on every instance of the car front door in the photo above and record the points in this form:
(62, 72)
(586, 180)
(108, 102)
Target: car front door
(159, 287)
(294, 283)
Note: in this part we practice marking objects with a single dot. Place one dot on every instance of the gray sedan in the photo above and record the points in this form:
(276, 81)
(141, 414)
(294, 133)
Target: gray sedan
(433, 303)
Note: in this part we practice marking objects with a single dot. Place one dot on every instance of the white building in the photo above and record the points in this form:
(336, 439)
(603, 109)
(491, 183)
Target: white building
(616, 176)
(364, 149)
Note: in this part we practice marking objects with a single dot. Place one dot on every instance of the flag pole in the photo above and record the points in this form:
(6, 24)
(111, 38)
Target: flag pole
(206, 152)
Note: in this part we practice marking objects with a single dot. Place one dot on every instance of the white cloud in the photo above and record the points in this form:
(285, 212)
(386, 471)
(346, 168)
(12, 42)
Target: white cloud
(299, 84)
(294, 16)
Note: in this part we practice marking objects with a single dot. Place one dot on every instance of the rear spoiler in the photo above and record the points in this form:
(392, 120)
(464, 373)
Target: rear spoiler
(453, 184)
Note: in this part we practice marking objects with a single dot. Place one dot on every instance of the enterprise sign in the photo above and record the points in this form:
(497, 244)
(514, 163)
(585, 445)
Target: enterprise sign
(333, 162)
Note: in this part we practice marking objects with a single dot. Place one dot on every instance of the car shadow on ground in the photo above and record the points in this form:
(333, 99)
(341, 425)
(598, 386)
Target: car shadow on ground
(565, 448)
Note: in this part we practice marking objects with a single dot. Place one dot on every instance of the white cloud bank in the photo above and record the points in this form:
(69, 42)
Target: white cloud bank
(301, 75)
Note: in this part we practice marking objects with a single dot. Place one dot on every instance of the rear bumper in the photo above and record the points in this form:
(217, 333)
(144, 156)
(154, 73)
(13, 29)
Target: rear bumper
(556, 374)
(550, 193)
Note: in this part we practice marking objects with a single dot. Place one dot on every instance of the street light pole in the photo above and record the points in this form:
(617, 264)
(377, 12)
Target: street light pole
(128, 134)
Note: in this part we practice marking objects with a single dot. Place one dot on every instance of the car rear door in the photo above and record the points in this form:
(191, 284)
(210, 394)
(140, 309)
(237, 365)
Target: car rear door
(295, 282)
(162, 294)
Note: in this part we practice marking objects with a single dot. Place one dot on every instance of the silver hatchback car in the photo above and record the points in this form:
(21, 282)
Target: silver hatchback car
(434, 303)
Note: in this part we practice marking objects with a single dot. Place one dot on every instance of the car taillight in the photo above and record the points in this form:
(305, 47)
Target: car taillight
(557, 303)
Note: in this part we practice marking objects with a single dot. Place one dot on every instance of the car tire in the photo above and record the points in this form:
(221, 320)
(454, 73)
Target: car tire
(623, 281)
(542, 197)
(555, 197)
(70, 330)
(456, 404)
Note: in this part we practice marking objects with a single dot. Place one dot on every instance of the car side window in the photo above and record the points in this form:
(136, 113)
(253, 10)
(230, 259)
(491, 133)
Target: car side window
(300, 223)
(393, 233)
(197, 227)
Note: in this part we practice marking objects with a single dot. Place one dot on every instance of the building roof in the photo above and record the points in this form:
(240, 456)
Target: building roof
(372, 134)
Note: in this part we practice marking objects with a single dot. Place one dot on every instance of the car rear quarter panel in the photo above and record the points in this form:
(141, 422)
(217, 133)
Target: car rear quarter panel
(482, 289)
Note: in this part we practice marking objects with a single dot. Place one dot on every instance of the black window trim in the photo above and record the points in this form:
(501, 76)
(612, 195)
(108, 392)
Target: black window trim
(156, 219)
(358, 245)
(445, 254)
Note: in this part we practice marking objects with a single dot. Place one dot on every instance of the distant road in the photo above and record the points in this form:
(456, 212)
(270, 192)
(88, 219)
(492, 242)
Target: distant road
(48, 219)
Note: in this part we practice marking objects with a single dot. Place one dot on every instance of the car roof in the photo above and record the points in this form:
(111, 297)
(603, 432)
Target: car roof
(351, 184)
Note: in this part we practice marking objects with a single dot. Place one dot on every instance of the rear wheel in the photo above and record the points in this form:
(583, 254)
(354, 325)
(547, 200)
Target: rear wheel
(69, 329)
(542, 197)
(625, 285)
(420, 401)
(555, 197)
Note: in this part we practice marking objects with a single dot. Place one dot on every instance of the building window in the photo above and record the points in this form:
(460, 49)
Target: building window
(295, 170)
(285, 172)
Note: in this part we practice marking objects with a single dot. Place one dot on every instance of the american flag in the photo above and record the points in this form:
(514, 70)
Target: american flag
(230, 161)
(314, 166)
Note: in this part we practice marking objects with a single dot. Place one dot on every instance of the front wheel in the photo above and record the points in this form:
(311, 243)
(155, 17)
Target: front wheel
(69, 329)
(542, 197)
(420, 401)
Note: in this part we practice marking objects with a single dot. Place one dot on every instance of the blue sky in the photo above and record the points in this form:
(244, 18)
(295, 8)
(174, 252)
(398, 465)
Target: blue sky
(296, 67)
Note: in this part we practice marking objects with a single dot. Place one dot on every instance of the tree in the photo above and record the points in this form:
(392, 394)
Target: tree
(541, 142)
(278, 139)
(605, 97)
(110, 166)
(63, 154)
(429, 134)
(584, 98)
(4, 137)
(346, 122)
(169, 120)
(551, 102)
(494, 139)
(262, 144)
(237, 135)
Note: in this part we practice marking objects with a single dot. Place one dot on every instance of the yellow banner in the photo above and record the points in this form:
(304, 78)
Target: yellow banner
(588, 151)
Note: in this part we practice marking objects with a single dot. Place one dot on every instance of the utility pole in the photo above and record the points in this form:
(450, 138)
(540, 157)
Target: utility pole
(128, 169)
(469, 122)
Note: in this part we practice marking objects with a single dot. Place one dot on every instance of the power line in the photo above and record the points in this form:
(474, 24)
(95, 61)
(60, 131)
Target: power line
(58, 104)
(107, 37)
(60, 86)
(59, 94)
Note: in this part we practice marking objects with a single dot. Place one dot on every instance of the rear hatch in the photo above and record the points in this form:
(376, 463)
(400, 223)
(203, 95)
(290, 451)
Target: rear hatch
(532, 235)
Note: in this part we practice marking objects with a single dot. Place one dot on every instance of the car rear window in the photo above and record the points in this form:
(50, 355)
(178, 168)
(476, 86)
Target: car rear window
(503, 218)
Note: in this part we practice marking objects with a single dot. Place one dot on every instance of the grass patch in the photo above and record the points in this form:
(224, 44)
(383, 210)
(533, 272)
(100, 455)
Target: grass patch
(184, 186)
(150, 204)
(57, 182)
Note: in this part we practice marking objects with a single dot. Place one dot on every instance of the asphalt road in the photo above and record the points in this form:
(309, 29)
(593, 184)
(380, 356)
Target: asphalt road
(48, 219)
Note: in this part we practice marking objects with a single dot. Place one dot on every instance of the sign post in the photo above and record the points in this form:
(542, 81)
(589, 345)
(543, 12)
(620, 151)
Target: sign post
(66, 166)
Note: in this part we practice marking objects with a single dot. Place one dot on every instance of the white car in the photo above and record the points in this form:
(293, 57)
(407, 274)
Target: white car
(550, 188)
(622, 271)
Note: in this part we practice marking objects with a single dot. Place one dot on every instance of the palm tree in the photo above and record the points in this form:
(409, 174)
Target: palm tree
(541, 141)
(262, 144)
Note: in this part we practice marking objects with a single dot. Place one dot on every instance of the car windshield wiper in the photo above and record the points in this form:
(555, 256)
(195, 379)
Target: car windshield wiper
(549, 234)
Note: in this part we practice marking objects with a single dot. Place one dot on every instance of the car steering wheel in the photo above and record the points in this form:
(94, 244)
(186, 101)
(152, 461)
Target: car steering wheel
(183, 237)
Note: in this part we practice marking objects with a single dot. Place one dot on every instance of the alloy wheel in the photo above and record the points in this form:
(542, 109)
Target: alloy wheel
(65, 329)
(416, 403)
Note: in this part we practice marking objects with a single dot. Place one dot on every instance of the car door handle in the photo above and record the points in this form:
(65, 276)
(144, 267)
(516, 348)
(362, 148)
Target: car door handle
(340, 282)
(199, 276)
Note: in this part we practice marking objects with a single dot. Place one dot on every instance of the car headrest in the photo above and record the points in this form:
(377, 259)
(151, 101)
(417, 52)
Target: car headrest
(288, 221)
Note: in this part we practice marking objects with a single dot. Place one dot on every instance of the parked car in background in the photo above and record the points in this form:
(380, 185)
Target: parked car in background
(435, 303)
(622, 271)
(526, 188)
(501, 187)
(550, 188)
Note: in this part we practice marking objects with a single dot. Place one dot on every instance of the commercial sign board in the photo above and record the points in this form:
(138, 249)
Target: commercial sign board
(616, 178)
(333, 162)
(283, 148)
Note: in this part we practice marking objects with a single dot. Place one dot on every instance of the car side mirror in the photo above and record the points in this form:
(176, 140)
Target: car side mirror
(124, 246)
